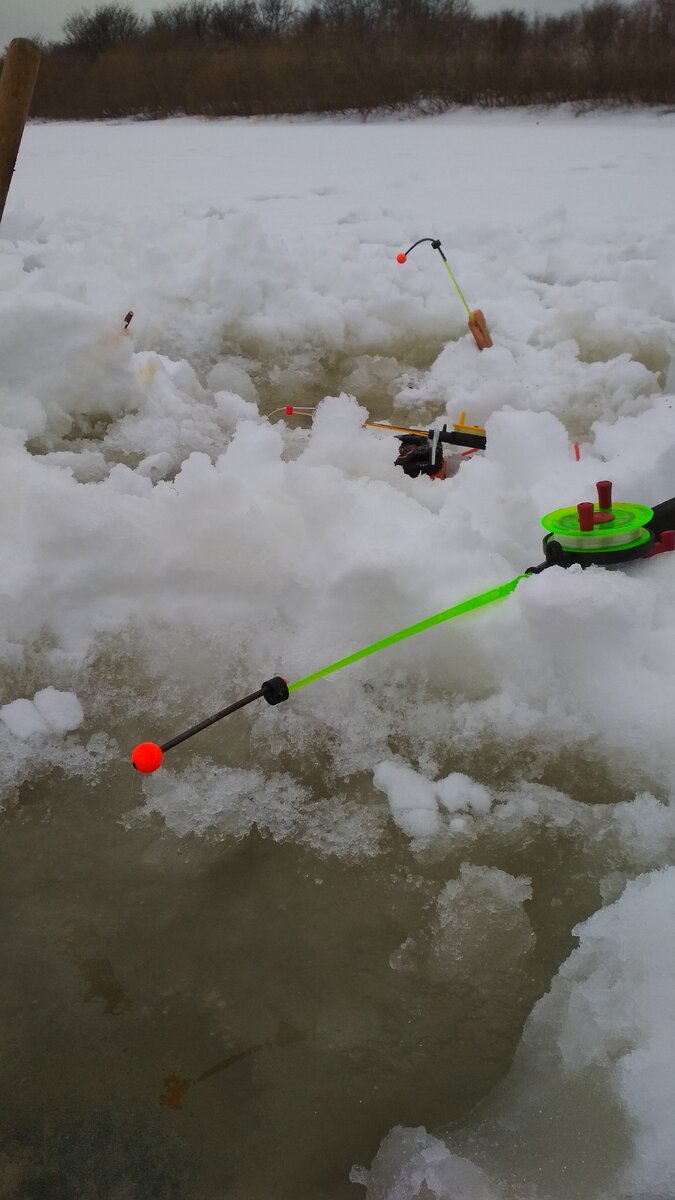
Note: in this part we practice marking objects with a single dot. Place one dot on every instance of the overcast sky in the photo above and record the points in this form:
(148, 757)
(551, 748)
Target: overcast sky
(26, 18)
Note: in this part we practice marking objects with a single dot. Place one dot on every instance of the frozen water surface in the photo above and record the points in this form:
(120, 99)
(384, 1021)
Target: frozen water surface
(410, 932)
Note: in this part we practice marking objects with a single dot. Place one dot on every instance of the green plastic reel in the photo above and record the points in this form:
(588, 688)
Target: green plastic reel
(587, 530)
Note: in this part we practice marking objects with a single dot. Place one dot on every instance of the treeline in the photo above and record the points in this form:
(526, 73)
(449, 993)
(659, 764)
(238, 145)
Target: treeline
(247, 57)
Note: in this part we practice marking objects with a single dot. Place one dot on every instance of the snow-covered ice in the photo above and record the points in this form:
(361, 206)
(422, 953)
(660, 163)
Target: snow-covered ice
(168, 544)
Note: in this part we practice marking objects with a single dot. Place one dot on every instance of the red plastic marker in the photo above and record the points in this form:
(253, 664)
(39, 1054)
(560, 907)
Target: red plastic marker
(147, 757)
(401, 257)
(289, 410)
(604, 487)
(585, 511)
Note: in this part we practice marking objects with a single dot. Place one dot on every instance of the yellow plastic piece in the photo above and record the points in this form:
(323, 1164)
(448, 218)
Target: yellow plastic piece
(462, 427)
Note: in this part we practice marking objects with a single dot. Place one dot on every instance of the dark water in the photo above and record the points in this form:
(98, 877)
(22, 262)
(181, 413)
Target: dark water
(200, 1019)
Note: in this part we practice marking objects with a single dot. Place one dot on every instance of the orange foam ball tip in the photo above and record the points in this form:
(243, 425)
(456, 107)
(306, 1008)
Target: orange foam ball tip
(401, 257)
(147, 757)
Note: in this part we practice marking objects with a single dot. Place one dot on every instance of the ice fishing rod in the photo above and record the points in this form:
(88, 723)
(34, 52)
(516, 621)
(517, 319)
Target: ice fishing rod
(588, 534)
(477, 323)
(461, 434)
(421, 450)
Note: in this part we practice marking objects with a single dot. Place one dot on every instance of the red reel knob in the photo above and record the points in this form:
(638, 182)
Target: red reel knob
(585, 510)
(604, 487)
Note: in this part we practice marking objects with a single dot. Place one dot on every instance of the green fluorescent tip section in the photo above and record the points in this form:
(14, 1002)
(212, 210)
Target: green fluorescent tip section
(457, 610)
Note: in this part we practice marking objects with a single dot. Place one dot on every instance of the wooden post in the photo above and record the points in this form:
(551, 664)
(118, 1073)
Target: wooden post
(16, 92)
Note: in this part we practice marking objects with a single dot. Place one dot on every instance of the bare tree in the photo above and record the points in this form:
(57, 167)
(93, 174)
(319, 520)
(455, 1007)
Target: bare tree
(106, 26)
(275, 16)
(599, 25)
(234, 20)
(190, 18)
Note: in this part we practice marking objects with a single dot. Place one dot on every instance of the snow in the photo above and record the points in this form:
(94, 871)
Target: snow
(411, 1160)
(414, 801)
(50, 711)
(61, 710)
(23, 719)
(411, 799)
(168, 547)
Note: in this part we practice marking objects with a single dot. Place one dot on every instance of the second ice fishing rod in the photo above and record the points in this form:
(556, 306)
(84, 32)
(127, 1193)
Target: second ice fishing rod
(476, 323)
(602, 534)
(461, 434)
(421, 450)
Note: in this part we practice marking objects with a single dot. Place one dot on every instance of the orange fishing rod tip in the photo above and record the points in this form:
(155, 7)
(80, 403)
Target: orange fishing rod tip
(147, 757)
(401, 258)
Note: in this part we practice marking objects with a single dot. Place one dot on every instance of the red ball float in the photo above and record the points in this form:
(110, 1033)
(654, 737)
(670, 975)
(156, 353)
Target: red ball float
(147, 757)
